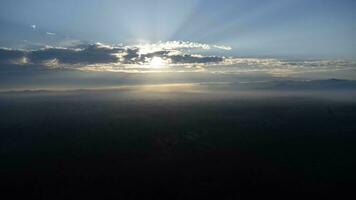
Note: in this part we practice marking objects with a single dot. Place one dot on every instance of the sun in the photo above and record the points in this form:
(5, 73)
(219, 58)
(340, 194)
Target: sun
(157, 62)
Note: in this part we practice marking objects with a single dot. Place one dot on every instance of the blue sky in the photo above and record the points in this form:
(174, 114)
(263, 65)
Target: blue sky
(292, 28)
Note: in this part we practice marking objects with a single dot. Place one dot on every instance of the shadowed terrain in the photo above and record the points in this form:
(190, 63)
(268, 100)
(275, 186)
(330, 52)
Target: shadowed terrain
(179, 142)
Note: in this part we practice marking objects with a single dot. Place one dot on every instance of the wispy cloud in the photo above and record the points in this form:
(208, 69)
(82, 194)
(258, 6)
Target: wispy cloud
(282, 67)
(177, 45)
(50, 33)
(223, 47)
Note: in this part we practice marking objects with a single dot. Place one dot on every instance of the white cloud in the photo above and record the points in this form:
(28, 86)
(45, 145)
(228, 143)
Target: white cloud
(50, 33)
(176, 45)
(226, 48)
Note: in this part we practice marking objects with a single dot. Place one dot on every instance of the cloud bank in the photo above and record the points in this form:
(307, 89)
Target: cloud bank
(99, 53)
(177, 56)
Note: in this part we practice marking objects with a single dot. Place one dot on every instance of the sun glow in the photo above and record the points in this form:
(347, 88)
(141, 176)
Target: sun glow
(157, 62)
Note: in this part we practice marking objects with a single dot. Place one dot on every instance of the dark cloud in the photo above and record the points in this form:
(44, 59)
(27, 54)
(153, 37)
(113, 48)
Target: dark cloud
(130, 56)
(99, 54)
(158, 54)
(92, 54)
(181, 59)
(133, 59)
(9, 56)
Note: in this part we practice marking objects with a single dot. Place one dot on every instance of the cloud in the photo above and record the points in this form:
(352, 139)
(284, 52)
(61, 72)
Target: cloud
(92, 54)
(33, 26)
(226, 48)
(50, 33)
(10, 56)
(99, 53)
(177, 45)
(282, 67)
(175, 54)
(188, 59)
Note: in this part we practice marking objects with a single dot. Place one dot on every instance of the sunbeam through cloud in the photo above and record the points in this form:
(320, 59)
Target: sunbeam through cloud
(177, 99)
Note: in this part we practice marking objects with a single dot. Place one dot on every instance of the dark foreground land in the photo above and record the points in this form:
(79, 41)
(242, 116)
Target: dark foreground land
(145, 144)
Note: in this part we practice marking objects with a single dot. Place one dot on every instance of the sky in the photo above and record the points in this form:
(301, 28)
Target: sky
(108, 42)
(287, 28)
